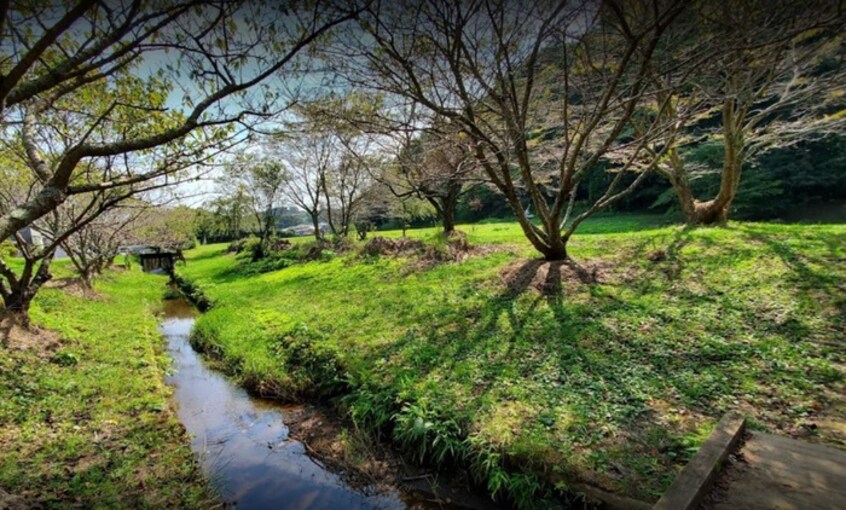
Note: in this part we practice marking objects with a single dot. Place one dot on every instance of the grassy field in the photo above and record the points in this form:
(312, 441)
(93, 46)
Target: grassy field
(84, 414)
(532, 378)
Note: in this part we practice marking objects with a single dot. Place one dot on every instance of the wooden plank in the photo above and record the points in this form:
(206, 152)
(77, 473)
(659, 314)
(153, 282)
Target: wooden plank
(608, 500)
(696, 479)
(785, 474)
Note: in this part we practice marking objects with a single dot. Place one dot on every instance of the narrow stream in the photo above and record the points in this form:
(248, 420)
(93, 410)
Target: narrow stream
(243, 441)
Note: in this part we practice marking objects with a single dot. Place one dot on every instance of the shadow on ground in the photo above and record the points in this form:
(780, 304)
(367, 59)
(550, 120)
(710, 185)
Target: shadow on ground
(618, 370)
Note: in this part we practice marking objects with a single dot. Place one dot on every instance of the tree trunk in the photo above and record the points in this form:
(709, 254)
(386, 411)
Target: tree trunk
(22, 290)
(449, 220)
(548, 239)
(681, 185)
(716, 210)
(18, 301)
(315, 221)
(448, 206)
(711, 212)
(555, 247)
(85, 277)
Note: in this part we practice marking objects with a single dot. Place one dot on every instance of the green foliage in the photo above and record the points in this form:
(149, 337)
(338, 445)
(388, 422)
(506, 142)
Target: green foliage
(616, 382)
(311, 361)
(192, 291)
(7, 249)
(65, 359)
(428, 436)
(90, 424)
(785, 182)
(254, 248)
(482, 203)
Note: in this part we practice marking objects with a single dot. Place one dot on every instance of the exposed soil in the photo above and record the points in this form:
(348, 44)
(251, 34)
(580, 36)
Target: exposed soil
(551, 277)
(456, 249)
(369, 465)
(74, 287)
(423, 255)
(13, 502)
(14, 335)
(279, 244)
(734, 464)
(363, 465)
(547, 277)
(382, 246)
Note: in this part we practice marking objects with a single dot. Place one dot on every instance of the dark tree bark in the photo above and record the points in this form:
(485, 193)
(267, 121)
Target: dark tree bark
(21, 290)
(445, 204)
(449, 217)
(315, 221)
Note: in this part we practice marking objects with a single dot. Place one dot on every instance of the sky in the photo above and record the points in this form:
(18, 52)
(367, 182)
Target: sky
(287, 85)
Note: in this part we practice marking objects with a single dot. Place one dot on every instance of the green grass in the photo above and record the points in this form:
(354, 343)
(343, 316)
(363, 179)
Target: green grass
(509, 232)
(614, 384)
(86, 423)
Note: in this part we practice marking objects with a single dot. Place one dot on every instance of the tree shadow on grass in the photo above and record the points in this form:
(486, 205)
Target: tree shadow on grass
(615, 381)
(804, 276)
(525, 353)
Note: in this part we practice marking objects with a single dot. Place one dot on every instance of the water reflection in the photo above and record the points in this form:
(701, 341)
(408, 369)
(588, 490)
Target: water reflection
(243, 441)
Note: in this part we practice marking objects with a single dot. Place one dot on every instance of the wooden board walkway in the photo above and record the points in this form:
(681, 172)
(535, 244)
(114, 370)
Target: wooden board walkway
(778, 473)
(737, 469)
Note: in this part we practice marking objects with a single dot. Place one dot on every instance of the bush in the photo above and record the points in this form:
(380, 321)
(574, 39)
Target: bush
(311, 361)
(254, 247)
(8, 249)
(237, 246)
(193, 293)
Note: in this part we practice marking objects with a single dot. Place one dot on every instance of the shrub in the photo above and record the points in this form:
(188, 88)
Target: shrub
(8, 249)
(311, 361)
(237, 246)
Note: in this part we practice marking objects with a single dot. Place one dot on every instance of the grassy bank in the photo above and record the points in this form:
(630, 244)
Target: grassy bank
(533, 378)
(84, 416)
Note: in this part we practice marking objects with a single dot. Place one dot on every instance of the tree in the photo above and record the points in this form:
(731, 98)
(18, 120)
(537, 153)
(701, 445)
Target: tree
(308, 157)
(227, 216)
(437, 166)
(82, 110)
(224, 48)
(262, 181)
(747, 78)
(163, 225)
(35, 151)
(349, 155)
(19, 288)
(344, 186)
(93, 247)
(501, 70)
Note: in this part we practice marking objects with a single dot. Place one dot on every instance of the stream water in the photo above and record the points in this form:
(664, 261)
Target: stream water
(243, 441)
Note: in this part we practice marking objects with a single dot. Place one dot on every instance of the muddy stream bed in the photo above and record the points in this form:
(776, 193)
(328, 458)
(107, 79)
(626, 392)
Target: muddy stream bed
(243, 442)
